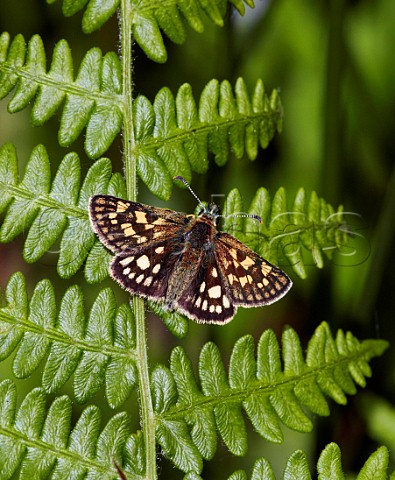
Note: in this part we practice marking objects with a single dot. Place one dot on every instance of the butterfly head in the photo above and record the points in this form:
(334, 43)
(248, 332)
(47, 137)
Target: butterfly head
(210, 210)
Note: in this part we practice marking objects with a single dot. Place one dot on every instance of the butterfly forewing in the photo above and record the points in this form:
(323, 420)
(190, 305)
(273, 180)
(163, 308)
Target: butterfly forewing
(122, 225)
(249, 279)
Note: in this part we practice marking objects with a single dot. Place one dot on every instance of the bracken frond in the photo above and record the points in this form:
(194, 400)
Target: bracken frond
(49, 212)
(288, 231)
(37, 439)
(329, 467)
(91, 99)
(172, 136)
(96, 350)
(41, 444)
(180, 135)
(150, 18)
(189, 415)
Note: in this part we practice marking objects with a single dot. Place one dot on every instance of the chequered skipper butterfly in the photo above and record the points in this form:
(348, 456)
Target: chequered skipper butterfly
(183, 261)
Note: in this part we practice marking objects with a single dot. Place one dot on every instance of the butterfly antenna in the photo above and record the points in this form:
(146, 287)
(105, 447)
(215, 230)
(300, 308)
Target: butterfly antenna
(243, 215)
(182, 179)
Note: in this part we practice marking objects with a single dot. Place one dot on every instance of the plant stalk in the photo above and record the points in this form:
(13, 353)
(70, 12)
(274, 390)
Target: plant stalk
(146, 408)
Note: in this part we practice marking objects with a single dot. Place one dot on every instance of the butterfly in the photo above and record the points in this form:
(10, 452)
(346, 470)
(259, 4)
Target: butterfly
(183, 261)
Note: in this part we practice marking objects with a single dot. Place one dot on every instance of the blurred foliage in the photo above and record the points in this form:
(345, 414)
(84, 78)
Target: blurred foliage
(333, 63)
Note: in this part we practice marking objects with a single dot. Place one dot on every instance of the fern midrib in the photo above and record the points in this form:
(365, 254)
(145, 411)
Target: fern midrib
(56, 336)
(182, 134)
(256, 388)
(48, 448)
(45, 200)
(70, 89)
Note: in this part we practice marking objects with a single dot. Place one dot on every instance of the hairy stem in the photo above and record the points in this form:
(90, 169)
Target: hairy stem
(146, 409)
(127, 89)
(147, 412)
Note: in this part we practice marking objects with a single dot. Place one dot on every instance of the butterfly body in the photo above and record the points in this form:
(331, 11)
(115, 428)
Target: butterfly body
(183, 261)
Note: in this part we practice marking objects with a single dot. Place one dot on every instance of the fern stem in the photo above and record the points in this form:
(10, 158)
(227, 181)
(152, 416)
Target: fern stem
(146, 409)
(147, 412)
(127, 92)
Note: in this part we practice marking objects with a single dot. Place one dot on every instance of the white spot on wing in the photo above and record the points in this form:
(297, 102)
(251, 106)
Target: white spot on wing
(156, 269)
(143, 262)
(214, 292)
(225, 302)
(125, 262)
(243, 281)
(121, 206)
(141, 217)
(266, 269)
(247, 262)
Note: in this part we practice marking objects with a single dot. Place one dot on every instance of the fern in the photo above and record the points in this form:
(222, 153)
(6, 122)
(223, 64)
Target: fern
(91, 100)
(51, 213)
(257, 385)
(98, 350)
(172, 135)
(309, 223)
(41, 444)
(149, 18)
(186, 417)
(102, 349)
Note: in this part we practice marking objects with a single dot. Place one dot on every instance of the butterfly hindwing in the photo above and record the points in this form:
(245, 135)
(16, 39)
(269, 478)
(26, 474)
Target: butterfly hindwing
(206, 299)
(145, 272)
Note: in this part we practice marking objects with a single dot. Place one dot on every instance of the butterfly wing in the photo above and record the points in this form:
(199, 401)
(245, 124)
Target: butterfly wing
(122, 225)
(205, 299)
(146, 271)
(249, 280)
(182, 262)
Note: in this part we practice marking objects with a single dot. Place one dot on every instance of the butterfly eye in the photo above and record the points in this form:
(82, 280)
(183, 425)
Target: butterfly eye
(200, 210)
